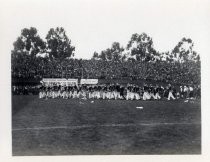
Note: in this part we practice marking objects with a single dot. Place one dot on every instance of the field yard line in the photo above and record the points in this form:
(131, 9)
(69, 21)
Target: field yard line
(102, 125)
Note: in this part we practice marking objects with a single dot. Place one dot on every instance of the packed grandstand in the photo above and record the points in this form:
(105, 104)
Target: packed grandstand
(135, 72)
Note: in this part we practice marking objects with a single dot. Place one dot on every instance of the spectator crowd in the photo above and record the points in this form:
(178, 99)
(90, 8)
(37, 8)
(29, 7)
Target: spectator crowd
(186, 73)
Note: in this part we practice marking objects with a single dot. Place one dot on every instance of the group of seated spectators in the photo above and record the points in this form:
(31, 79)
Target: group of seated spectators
(161, 71)
(25, 90)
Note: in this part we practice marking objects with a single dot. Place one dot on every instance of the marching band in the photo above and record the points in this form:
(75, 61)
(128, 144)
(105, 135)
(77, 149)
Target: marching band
(114, 91)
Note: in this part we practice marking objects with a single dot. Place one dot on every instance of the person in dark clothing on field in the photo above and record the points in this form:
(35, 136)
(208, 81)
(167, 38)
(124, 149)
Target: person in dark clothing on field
(122, 89)
(198, 92)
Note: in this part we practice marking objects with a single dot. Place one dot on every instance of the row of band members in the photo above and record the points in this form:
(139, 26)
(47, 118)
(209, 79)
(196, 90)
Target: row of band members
(117, 91)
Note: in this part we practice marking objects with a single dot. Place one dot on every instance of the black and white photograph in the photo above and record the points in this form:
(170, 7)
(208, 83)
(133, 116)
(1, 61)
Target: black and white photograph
(105, 77)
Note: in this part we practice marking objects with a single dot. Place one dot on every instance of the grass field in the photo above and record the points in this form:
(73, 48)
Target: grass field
(79, 127)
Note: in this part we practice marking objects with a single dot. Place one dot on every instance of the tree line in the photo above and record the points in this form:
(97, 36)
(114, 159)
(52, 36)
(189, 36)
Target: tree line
(57, 44)
(140, 48)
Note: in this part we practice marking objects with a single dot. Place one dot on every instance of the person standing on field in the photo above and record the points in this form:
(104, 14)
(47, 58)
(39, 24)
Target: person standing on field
(170, 93)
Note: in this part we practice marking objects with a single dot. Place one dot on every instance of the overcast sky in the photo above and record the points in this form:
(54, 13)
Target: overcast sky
(93, 25)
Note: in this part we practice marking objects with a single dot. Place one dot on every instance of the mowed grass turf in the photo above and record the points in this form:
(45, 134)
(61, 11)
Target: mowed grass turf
(104, 127)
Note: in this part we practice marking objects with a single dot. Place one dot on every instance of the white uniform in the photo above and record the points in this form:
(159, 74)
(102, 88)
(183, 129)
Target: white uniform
(146, 96)
(170, 95)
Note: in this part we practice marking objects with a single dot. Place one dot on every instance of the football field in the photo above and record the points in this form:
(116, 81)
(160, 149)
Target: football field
(104, 127)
